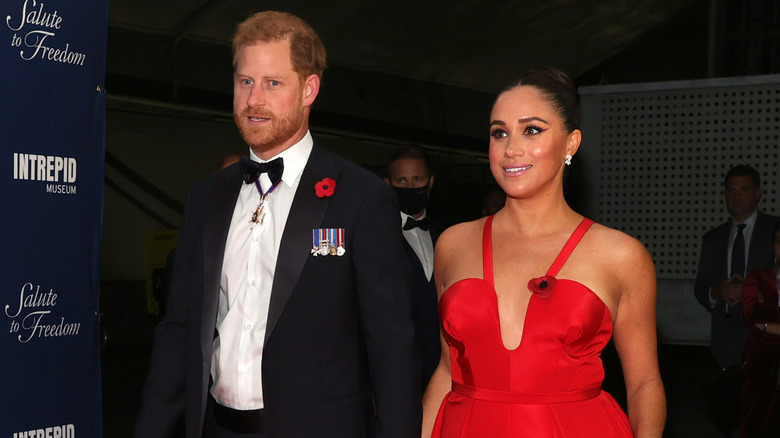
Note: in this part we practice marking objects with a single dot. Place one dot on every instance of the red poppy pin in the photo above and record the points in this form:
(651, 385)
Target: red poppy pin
(326, 187)
(542, 286)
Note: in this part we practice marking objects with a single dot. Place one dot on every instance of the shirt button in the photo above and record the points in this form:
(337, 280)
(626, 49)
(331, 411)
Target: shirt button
(248, 327)
(252, 283)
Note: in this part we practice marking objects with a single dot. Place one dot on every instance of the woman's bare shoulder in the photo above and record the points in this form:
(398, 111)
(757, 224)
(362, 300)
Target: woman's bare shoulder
(458, 251)
(457, 235)
(620, 257)
(620, 245)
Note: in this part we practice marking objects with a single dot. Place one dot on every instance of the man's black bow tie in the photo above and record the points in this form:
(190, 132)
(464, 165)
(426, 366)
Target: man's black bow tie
(252, 170)
(421, 224)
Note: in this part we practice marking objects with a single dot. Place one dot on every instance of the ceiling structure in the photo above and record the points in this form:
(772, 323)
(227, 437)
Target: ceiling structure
(424, 71)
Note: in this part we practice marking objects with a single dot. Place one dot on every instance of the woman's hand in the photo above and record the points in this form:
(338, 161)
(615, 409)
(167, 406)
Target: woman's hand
(769, 327)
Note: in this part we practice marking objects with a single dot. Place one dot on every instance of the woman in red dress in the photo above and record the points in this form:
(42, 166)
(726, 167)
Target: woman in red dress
(528, 297)
(761, 311)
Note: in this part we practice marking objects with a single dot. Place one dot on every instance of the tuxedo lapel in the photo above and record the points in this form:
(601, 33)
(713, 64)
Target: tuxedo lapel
(306, 214)
(215, 230)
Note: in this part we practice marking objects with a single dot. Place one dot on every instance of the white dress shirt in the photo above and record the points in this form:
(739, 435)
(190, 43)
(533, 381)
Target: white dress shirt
(245, 286)
(422, 244)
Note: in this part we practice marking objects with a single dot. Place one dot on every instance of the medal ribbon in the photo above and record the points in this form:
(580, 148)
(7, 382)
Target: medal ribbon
(260, 189)
(258, 215)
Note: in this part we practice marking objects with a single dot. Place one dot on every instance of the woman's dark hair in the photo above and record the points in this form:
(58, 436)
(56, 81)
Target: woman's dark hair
(559, 90)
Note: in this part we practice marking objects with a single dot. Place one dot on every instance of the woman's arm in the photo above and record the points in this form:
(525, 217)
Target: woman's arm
(636, 339)
(438, 387)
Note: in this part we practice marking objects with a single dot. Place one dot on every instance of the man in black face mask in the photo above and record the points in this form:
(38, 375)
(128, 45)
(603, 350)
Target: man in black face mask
(409, 174)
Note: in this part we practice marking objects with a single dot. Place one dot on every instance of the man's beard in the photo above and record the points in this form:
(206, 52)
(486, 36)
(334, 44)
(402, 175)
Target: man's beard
(275, 132)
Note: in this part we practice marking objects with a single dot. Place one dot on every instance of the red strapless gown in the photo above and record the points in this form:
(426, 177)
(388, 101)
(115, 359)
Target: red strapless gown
(550, 386)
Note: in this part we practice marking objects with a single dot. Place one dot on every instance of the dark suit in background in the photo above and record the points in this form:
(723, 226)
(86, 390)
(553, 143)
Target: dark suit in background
(425, 311)
(728, 330)
(729, 252)
(409, 173)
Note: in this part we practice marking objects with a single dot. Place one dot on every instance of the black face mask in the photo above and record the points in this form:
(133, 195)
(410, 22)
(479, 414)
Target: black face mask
(412, 200)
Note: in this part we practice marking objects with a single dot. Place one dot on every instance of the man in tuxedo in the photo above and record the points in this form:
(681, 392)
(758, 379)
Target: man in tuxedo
(289, 313)
(409, 173)
(729, 252)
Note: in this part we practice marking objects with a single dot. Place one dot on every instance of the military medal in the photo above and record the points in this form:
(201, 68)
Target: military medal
(259, 215)
(328, 241)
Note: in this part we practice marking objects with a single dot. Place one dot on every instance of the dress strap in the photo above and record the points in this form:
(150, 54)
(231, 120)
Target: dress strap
(574, 239)
(487, 250)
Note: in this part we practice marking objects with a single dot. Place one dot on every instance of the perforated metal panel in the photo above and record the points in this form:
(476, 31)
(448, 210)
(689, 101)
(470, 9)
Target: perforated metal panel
(660, 154)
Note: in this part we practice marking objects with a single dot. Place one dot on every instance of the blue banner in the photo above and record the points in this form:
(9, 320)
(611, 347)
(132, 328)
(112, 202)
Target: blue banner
(52, 147)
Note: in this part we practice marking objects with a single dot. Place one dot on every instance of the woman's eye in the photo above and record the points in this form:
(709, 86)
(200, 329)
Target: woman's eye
(498, 133)
(533, 130)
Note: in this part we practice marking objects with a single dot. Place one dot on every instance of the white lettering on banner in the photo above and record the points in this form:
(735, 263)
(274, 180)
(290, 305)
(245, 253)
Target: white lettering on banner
(44, 168)
(38, 17)
(48, 168)
(34, 14)
(33, 312)
(64, 431)
(60, 189)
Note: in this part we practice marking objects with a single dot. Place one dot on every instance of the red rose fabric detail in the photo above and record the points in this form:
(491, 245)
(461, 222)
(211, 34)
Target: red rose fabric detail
(542, 286)
(326, 187)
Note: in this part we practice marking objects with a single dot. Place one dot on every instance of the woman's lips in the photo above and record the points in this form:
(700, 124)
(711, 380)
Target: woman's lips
(516, 170)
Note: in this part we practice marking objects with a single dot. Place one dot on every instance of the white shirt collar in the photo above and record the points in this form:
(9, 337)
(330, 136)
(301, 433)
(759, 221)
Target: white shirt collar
(750, 221)
(295, 158)
(404, 216)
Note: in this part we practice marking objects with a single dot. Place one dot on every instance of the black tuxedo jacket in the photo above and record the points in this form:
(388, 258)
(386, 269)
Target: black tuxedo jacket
(425, 309)
(339, 358)
(728, 331)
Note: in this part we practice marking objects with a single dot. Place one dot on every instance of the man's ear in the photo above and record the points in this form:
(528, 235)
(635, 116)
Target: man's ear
(311, 88)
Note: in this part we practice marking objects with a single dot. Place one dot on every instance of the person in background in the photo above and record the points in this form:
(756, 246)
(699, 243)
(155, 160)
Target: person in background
(761, 388)
(729, 251)
(529, 297)
(409, 173)
(289, 313)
